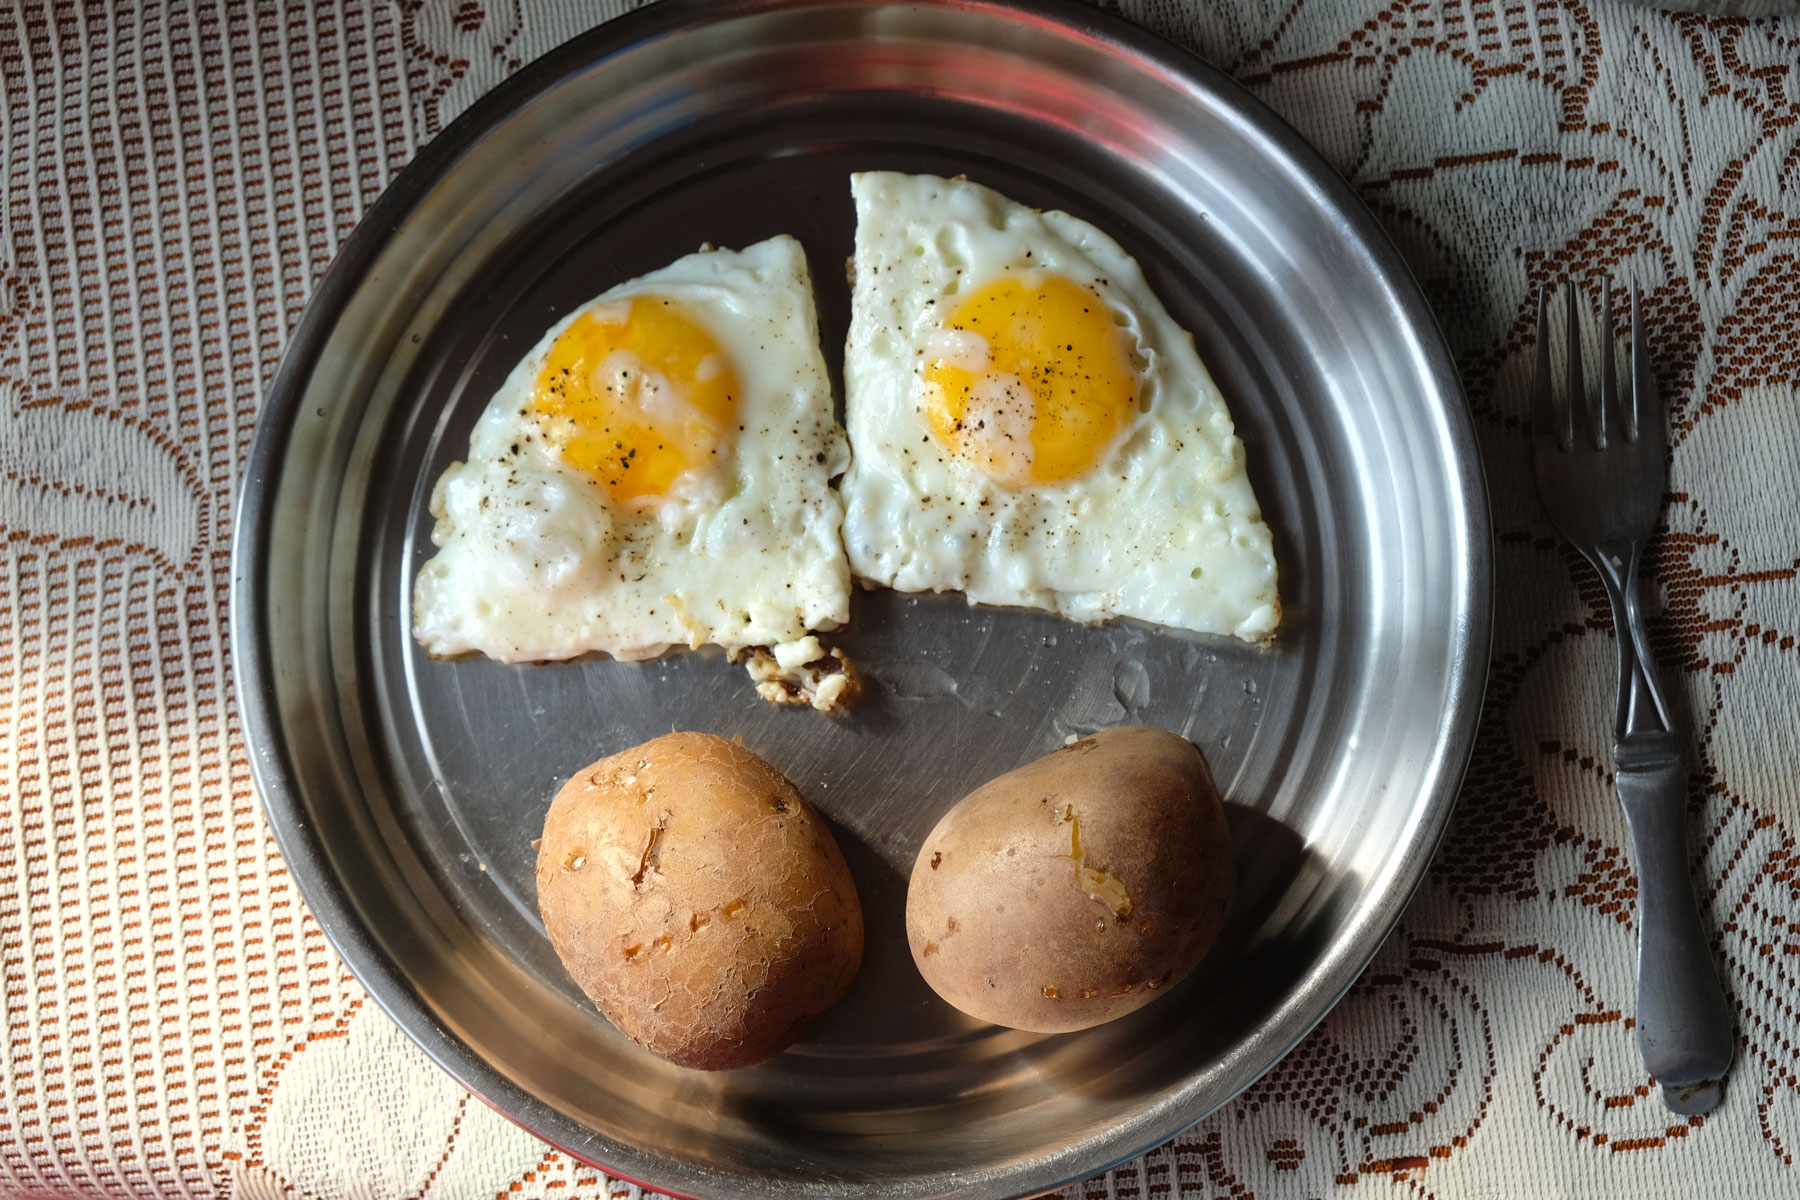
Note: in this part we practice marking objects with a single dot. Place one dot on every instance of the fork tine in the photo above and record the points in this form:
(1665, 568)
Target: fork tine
(1543, 396)
(1609, 379)
(1646, 410)
(1576, 387)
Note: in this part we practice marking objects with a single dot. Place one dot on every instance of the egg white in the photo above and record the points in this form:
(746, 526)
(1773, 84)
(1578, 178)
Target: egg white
(535, 559)
(1163, 528)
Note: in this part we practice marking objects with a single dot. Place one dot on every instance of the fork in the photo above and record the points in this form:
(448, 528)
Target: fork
(1600, 479)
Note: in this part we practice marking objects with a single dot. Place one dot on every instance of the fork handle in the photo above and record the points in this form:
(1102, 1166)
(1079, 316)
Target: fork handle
(1641, 705)
(1684, 1027)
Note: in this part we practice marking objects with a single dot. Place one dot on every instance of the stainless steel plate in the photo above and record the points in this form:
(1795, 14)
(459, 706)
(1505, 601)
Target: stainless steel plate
(405, 793)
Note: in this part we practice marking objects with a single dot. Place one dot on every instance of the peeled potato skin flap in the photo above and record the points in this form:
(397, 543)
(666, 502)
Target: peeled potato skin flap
(1077, 888)
(697, 900)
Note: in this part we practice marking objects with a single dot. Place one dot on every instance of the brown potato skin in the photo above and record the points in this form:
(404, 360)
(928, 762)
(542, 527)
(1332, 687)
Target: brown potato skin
(1001, 925)
(703, 907)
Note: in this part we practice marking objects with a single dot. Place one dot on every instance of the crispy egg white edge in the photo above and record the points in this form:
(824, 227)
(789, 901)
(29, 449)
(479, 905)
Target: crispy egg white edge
(1022, 551)
(787, 537)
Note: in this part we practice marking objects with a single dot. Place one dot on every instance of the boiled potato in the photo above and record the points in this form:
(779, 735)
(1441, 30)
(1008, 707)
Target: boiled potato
(697, 900)
(1076, 888)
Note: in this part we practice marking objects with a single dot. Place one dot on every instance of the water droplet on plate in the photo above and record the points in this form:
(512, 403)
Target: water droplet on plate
(1131, 684)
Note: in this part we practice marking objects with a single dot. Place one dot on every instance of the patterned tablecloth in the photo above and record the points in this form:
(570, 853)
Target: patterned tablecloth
(178, 175)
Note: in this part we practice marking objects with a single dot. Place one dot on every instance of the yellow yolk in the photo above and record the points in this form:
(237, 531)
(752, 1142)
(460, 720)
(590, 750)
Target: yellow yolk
(637, 393)
(1042, 387)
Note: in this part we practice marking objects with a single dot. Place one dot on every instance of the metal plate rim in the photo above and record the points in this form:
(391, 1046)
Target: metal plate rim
(300, 843)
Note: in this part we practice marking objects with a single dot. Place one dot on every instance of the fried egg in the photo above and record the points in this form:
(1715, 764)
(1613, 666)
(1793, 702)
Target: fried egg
(654, 473)
(1030, 426)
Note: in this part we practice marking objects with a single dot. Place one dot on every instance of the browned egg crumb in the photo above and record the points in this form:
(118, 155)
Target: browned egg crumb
(829, 683)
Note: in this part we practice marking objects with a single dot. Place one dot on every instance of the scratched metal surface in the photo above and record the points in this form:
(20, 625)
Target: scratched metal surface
(406, 792)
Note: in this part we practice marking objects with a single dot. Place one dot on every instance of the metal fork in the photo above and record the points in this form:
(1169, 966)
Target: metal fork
(1600, 478)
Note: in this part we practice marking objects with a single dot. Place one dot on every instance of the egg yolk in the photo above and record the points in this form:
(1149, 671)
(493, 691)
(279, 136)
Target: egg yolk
(637, 393)
(1032, 380)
